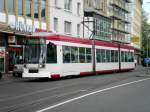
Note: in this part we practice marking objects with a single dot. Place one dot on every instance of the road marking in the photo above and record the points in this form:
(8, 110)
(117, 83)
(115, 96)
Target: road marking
(92, 93)
(39, 100)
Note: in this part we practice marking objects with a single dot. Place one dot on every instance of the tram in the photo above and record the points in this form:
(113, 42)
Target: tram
(57, 56)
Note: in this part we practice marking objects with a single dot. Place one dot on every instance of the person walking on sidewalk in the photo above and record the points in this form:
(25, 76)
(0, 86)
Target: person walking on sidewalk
(0, 75)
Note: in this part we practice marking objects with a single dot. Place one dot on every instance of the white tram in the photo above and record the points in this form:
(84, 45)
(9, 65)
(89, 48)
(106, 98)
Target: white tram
(58, 56)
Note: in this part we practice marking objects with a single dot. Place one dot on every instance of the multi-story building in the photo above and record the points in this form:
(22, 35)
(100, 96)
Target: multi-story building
(66, 17)
(97, 23)
(120, 14)
(136, 26)
(19, 18)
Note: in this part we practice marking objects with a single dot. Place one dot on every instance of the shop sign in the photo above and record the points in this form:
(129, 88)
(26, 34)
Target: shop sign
(11, 39)
(19, 26)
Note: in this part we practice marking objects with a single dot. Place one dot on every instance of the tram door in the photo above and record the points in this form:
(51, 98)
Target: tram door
(15, 56)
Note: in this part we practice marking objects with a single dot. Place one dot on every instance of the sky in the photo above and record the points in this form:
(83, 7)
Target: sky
(146, 6)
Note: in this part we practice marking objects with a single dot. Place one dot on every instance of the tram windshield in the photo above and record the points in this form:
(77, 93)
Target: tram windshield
(35, 51)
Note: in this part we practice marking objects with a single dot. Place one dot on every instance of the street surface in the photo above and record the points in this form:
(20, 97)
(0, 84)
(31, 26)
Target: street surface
(117, 92)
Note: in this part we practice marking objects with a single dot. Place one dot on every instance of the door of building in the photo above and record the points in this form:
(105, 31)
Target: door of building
(15, 55)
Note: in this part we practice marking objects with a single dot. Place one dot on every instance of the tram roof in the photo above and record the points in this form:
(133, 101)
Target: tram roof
(63, 38)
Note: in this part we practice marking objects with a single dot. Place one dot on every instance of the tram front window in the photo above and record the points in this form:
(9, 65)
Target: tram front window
(35, 51)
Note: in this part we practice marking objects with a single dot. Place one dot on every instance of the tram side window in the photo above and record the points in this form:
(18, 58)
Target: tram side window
(66, 54)
(126, 56)
(132, 57)
(74, 55)
(82, 55)
(88, 55)
(116, 56)
(108, 56)
(129, 57)
(51, 53)
(112, 56)
(122, 56)
(98, 55)
(103, 55)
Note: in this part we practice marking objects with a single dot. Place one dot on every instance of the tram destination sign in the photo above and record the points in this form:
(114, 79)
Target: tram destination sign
(20, 26)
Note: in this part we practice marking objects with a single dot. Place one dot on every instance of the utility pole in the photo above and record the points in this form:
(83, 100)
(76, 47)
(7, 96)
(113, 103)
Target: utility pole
(92, 37)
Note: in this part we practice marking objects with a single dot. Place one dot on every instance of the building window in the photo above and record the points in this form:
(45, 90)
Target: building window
(20, 7)
(2, 5)
(68, 5)
(10, 6)
(43, 15)
(78, 29)
(56, 24)
(28, 8)
(36, 4)
(78, 8)
(68, 27)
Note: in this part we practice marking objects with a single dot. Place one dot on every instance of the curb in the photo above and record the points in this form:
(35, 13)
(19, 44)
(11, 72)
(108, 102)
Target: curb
(145, 76)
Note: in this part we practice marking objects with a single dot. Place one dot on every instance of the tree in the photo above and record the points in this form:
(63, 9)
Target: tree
(145, 35)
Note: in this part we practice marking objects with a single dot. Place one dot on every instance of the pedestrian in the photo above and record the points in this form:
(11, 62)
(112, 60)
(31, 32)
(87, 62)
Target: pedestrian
(0, 75)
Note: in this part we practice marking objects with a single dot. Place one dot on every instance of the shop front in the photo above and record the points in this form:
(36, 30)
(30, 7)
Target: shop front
(15, 51)
(12, 41)
(2, 59)
(2, 52)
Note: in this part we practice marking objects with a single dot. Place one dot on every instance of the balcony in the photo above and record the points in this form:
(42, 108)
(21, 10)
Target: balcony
(116, 15)
(120, 5)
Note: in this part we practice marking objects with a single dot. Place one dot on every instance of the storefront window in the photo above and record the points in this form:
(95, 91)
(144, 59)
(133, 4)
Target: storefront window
(36, 4)
(10, 6)
(43, 3)
(20, 7)
(2, 5)
(28, 8)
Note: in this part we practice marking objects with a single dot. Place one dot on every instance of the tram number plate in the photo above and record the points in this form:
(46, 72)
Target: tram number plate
(33, 71)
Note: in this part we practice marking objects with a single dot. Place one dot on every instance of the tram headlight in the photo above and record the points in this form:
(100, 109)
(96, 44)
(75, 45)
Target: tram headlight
(40, 65)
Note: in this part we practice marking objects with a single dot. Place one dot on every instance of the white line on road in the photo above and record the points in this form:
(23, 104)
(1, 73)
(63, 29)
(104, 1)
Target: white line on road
(92, 93)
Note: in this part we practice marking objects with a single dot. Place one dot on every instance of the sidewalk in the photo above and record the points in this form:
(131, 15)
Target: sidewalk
(8, 77)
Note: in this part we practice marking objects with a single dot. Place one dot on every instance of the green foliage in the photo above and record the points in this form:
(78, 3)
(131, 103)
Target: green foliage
(145, 35)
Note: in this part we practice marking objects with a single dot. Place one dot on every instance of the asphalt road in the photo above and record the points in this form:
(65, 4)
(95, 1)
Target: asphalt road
(117, 92)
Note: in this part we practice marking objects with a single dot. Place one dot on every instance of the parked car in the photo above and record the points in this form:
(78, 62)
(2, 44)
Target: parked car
(18, 69)
(146, 62)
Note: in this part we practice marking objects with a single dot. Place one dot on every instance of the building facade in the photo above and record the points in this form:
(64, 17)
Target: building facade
(18, 19)
(120, 14)
(136, 31)
(66, 17)
(97, 23)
